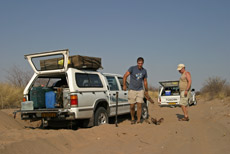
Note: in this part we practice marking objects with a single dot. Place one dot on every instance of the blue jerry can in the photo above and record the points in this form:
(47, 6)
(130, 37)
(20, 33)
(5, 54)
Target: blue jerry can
(50, 99)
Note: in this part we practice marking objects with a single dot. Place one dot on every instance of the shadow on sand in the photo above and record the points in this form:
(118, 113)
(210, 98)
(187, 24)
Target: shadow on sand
(179, 116)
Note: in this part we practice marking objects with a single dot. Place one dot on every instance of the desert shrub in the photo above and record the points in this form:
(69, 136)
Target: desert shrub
(153, 92)
(198, 93)
(152, 88)
(215, 87)
(227, 90)
(18, 76)
(10, 95)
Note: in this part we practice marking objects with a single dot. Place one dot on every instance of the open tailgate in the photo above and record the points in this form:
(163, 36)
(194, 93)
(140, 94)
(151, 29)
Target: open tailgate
(41, 62)
(169, 83)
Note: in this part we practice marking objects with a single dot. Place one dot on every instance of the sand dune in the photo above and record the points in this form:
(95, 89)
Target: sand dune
(208, 131)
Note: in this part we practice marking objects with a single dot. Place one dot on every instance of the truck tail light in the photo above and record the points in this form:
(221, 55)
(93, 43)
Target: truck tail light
(159, 100)
(73, 100)
(24, 99)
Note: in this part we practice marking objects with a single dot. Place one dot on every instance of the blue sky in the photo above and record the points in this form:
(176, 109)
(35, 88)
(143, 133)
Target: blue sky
(164, 32)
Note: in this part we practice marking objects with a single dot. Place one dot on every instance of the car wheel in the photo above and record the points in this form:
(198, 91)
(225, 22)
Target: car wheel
(195, 103)
(101, 117)
(145, 111)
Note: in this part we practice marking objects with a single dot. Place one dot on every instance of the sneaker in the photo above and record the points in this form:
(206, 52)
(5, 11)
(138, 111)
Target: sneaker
(133, 122)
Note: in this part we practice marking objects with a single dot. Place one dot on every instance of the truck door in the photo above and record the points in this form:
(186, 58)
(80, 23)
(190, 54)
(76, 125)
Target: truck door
(124, 95)
(113, 88)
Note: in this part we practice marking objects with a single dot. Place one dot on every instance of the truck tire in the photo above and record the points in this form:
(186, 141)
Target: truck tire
(145, 111)
(101, 116)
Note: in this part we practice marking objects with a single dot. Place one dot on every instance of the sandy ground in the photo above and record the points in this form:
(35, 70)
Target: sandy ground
(207, 132)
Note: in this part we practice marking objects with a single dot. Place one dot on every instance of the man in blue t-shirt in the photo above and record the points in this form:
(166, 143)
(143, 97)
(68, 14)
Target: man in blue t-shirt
(138, 76)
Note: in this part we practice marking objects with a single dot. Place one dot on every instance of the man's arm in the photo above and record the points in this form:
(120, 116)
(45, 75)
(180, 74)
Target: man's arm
(125, 79)
(146, 91)
(189, 79)
(146, 84)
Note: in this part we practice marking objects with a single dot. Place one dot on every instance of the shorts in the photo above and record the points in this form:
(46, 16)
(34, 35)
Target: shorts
(136, 96)
(184, 100)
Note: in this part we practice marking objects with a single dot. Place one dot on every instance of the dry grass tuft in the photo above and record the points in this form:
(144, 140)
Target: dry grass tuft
(153, 94)
(215, 87)
(10, 96)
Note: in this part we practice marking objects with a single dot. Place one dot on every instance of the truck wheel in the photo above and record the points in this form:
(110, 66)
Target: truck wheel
(145, 111)
(44, 123)
(101, 117)
(195, 103)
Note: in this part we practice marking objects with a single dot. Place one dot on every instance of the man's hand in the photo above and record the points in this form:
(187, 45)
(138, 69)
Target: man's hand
(148, 97)
(185, 93)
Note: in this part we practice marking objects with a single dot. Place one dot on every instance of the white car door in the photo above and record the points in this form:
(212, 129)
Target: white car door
(124, 95)
(113, 89)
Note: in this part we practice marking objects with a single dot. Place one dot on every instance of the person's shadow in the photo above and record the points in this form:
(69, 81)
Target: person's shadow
(179, 116)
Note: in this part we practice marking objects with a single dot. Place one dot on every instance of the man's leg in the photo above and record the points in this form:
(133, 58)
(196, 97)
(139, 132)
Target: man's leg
(185, 110)
(139, 108)
(184, 104)
(132, 111)
(132, 101)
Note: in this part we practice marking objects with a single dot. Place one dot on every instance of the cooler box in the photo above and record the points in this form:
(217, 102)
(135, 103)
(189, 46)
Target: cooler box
(37, 95)
(28, 105)
(50, 99)
(167, 92)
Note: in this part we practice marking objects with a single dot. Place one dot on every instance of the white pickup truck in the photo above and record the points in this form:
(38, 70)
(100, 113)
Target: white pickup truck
(81, 97)
(169, 94)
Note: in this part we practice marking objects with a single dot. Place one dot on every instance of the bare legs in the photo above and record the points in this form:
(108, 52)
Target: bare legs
(185, 110)
(132, 111)
(139, 112)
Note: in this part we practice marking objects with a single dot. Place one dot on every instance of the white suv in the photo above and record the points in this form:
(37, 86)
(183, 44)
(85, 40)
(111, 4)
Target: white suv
(169, 94)
(85, 97)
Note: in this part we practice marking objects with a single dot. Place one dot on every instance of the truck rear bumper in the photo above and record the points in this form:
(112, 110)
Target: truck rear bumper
(169, 104)
(53, 114)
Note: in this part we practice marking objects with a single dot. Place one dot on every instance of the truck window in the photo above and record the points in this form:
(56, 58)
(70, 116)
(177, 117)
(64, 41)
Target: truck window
(48, 62)
(47, 82)
(112, 83)
(121, 82)
(174, 91)
(88, 80)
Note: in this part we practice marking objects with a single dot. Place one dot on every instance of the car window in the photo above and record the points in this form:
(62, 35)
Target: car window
(88, 80)
(49, 62)
(112, 83)
(49, 82)
(94, 80)
(174, 91)
(121, 82)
